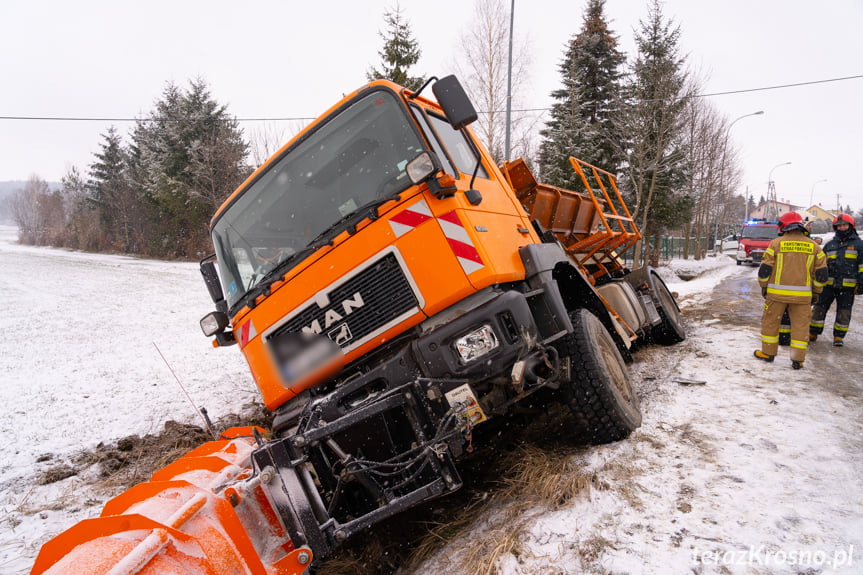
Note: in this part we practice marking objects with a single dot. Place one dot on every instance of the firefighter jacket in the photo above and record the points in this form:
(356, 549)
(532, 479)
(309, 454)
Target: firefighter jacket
(793, 268)
(844, 260)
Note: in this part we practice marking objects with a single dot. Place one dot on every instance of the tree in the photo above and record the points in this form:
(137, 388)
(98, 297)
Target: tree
(580, 123)
(266, 139)
(82, 219)
(483, 72)
(699, 147)
(187, 156)
(39, 213)
(399, 53)
(113, 196)
(25, 209)
(650, 123)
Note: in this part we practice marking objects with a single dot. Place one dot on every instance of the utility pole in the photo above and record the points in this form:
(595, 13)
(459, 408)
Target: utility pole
(509, 83)
(771, 209)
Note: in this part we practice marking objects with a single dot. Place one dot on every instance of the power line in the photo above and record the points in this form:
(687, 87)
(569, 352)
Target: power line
(730, 92)
(94, 119)
(780, 86)
(287, 119)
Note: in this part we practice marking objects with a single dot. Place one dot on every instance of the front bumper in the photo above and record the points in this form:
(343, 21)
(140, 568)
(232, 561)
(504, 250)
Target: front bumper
(754, 257)
(393, 415)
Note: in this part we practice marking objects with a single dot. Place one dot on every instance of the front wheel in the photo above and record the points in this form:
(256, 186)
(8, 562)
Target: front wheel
(598, 392)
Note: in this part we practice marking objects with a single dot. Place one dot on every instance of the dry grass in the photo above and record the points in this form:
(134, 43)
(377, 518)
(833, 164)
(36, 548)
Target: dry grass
(533, 480)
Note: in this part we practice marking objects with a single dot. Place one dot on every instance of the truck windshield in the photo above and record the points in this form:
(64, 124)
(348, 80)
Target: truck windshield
(760, 232)
(357, 157)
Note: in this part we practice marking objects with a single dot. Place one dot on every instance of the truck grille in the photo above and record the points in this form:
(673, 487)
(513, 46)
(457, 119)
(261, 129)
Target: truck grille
(363, 304)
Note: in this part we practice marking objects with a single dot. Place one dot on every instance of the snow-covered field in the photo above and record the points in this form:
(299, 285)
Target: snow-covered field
(757, 470)
(79, 365)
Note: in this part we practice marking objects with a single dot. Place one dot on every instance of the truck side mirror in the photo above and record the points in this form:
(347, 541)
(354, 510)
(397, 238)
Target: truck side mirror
(211, 278)
(454, 101)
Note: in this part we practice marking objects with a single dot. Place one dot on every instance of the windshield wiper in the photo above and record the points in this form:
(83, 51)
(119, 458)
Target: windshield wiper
(278, 272)
(369, 210)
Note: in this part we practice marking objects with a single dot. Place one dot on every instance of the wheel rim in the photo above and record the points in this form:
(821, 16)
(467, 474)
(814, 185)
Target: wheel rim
(610, 357)
(668, 304)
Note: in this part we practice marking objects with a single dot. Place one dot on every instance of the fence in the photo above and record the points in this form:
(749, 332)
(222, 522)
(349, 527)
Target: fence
(670, 247)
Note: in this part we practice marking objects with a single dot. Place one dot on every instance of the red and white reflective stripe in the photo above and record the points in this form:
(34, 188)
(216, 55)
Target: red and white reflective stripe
(460, 242)
(246, 333)
(458, 238)
(406, 220)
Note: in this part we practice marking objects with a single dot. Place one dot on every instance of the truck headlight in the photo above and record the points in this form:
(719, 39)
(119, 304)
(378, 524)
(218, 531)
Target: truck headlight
(476, 344)
(214, 322)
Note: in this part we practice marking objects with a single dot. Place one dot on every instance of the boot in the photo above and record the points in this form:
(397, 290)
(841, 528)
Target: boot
(796, 364)
(837, 342)
(763, 356)
(813, 337)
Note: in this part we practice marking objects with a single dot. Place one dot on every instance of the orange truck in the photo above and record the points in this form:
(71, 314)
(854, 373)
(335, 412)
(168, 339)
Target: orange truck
(395, 294)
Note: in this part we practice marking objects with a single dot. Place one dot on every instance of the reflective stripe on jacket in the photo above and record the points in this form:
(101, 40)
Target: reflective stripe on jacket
(844, 261)
(792, 259)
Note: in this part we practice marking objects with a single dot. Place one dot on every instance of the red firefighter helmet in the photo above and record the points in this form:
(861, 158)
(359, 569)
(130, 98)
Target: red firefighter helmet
(843, 219)
(791, 221)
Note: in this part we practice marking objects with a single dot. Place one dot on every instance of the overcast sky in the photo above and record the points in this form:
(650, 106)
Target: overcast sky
(278, 59)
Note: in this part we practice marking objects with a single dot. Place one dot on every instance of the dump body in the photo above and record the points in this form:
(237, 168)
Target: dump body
(395, 293)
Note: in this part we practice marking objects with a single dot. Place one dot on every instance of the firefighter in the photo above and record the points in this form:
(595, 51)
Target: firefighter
(785, 324)
(845, 278)
(793, 272)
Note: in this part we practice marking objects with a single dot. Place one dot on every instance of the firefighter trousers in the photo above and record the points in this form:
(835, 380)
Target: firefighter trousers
(844, 302)
(799, 314)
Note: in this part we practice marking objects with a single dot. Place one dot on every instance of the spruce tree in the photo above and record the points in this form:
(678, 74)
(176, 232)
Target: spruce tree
(186, 158)
(399, 53)
(652, 115)
(580, 117)
(111, 196)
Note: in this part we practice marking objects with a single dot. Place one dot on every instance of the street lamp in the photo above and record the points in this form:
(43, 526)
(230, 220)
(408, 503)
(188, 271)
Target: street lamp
(771, 190)
(812, 192)
(722, 172)
(770, 175)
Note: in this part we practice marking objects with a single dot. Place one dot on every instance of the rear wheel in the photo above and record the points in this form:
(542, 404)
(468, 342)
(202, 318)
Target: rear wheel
(598, 393)
(670, 330)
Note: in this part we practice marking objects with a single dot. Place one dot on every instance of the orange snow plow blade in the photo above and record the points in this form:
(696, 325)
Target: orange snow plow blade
(202, 514)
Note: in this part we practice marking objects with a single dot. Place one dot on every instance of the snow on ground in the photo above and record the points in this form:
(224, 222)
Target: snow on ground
(739, 466)
(79, 365)
(705, 274)
(732, 476)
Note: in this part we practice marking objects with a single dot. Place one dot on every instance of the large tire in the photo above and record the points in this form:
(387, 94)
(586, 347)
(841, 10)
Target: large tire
(670, 330)
(598, 393)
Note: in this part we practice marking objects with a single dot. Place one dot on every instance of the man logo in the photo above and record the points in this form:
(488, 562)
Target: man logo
(331, 316)
(341, 335)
